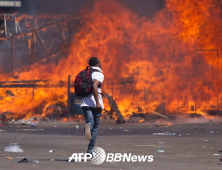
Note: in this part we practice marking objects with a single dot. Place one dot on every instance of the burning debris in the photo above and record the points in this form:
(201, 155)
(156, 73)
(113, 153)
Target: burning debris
(56, 111)
(166, 77)
(140, 117)
(115, 110)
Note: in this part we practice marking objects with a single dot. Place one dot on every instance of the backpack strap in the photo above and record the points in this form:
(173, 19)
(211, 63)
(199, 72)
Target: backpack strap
(84, 77)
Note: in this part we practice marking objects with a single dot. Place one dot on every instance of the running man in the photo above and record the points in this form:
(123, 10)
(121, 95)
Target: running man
(92, 104)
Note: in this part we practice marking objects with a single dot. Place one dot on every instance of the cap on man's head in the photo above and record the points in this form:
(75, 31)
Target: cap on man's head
(93, 61)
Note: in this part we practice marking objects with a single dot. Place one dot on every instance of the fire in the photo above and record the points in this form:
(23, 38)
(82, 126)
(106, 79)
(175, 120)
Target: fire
(172, 59)
(142, 120)
(77, 118)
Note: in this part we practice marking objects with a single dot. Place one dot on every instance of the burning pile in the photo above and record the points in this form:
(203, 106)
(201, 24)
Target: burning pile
(172, 59)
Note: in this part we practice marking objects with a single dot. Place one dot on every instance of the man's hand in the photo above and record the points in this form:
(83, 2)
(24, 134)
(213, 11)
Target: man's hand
(98, 106)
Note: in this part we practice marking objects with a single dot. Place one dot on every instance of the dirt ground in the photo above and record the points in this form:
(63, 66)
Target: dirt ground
(181, 152)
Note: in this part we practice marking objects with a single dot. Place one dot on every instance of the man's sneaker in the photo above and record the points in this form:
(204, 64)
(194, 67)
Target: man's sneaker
(87, 132)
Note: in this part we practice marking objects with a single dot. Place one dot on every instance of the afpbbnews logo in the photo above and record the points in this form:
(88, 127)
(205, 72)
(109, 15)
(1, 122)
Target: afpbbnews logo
(98, 156)
(118, 157)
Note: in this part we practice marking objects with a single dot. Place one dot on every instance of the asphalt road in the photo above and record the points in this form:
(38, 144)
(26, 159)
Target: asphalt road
(194, 150)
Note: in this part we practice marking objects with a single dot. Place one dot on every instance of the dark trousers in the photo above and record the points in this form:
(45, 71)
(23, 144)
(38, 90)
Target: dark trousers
(92, 116)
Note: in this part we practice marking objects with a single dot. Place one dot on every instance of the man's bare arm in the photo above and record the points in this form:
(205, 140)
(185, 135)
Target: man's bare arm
(95, 93)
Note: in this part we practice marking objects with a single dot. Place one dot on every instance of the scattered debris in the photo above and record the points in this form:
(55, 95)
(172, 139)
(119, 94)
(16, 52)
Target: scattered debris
(188, 133)
(14, 147)
(77, 126)
(126, 130)
(155, 146)
(2, 130)
(161, 142)
(111, 162)
(9, 158)
(25, 160)
(166, 133)
(31, 120)
(200, 128)
(28, 129)
(159, 134)
(159, 114)
(136, 118)
(33, 125)
(164, 125)
(211, 131)
(206, 140)
(195, 115)
(216, 154)
(160, 150)
(179, 135)
(220, 158)
(51, 151)
(211, 122)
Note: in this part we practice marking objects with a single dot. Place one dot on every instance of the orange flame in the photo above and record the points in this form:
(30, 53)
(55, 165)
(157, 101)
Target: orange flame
(161, 54)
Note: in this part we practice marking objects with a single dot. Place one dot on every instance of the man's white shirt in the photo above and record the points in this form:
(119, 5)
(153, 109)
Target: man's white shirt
(90, 100)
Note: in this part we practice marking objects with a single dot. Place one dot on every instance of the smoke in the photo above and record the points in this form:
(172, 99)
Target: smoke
(32, 7)
(145, 8)
(72, 7)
